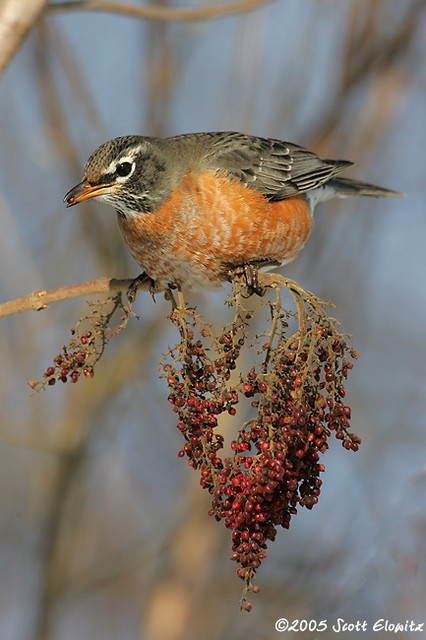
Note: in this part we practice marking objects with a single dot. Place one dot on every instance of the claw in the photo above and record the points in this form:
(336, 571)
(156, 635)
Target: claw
(137, 283)
(251, 275)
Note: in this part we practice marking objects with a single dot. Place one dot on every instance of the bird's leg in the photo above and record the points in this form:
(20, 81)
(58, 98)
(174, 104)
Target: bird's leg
(251, 275)
(169, 295)
(137, 283)
(250, 272)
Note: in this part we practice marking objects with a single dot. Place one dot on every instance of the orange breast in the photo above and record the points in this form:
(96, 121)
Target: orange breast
(211, 224)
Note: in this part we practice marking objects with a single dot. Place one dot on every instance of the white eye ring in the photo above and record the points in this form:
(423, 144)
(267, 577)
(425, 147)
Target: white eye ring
(124, 168)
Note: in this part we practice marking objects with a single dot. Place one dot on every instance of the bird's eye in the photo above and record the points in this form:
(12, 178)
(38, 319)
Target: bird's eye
(124, 169)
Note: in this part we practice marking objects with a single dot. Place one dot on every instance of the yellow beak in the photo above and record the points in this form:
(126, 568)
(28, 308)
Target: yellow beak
(84, 191)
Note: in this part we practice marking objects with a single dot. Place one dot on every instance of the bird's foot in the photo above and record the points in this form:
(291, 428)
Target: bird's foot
(250, 272)
(141, 280)
(251, 275)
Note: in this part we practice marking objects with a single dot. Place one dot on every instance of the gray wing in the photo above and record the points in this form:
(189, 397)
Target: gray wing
(274, 168)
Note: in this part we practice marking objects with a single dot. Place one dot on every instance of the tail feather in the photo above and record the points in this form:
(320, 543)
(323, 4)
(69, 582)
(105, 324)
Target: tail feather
(346, 187)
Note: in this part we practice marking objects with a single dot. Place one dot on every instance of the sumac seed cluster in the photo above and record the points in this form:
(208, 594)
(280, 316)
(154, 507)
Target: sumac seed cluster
(273, 466)
(77, 359)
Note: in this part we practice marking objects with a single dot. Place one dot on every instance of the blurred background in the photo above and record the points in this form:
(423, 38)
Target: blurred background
(104, 532)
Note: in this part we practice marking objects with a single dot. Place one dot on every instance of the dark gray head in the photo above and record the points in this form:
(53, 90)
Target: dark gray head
(131, 173)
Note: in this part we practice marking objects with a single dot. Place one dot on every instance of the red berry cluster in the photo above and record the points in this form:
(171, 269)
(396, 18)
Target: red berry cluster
(296, 390)
(297, 394)
(199, 393)
(74, 361)
(89, 338)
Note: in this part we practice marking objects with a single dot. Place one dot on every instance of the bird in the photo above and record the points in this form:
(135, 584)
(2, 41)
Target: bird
(196, 208)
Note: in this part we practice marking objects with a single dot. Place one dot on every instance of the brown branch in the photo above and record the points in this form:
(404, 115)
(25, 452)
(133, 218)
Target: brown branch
(161, 14)
(39, 300)
(17, 17)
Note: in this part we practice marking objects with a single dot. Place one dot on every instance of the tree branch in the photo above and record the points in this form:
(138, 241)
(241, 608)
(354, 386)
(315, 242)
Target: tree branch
(17, 17)
(39, 300)
(161, 14)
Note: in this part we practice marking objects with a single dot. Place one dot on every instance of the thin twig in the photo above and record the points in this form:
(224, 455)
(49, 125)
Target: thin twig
(276, 307)
(158, 13)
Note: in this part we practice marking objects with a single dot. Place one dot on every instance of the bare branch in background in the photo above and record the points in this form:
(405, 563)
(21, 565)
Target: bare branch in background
(17, 17)
(370, 53)
(162, 14)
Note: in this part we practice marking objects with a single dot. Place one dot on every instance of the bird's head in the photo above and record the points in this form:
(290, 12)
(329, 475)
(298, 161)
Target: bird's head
(128, 173)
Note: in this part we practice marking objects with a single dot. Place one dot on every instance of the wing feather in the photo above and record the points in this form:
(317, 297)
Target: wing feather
(276, 169)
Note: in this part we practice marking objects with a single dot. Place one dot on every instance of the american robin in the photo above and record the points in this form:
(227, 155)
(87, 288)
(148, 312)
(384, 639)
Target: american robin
(193, 208)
